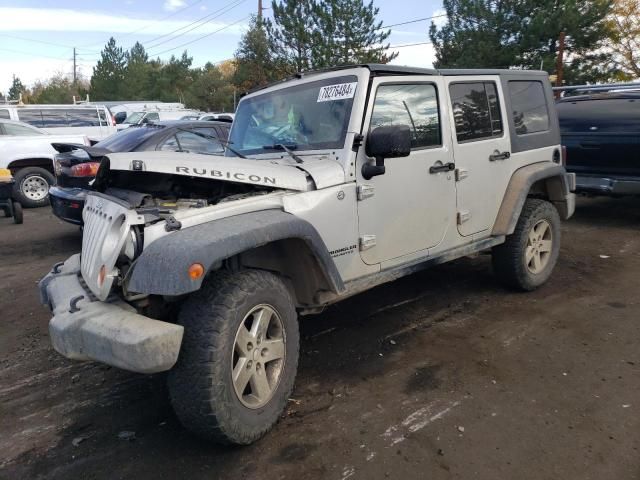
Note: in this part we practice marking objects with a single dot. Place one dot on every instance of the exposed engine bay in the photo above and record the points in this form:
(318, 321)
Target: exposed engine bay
(164, 191)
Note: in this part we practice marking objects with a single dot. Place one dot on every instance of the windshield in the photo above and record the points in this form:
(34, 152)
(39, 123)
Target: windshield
(310, 116)
(134, 118)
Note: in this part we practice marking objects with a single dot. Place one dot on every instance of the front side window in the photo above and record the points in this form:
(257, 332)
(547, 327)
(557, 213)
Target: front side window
(152, 117)
(529, 105)
(476, 110)
(415, 105)
(309, 116)
(134, 118)
(13, 129)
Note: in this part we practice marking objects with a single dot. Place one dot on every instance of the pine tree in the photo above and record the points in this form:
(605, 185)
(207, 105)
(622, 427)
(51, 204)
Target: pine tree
(292, 34)
(107, 82)
(137, 74)
(17, 87)
(348, 33)
(254, 63)
(521, 33)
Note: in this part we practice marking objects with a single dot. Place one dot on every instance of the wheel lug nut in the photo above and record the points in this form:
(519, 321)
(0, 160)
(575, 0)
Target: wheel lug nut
(249, 364)
(263, 352)
(249, 346)
(258, 366)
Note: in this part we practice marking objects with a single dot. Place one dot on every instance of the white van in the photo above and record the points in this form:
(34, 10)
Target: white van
(94, 121)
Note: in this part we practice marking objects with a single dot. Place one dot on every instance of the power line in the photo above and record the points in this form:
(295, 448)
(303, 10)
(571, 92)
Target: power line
(202, 37)
(31, 54)
(151, 23)
(216, 14)
(412, 21)
(410, 44)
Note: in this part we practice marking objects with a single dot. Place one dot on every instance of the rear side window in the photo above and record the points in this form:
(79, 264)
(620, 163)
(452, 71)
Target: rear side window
(30, 116)
(4, 114)
(54, 118)
(529, 107)
(184, 141)
(415, 105)
(152, 117)
(83, 117)
(476, 110)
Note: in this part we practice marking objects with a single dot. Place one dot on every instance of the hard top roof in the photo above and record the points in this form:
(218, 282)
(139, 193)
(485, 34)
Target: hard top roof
(624, 95)
(382, 69)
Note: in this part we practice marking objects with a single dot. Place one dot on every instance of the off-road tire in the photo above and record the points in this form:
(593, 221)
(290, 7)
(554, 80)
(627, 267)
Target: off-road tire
(200, 385)
(22, 175)
(509, 261)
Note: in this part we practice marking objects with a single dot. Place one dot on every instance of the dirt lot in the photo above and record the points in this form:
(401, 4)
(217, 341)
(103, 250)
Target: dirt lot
(439, 375)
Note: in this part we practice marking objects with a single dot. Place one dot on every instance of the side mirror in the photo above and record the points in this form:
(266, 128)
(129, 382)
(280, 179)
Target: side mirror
(386, 142)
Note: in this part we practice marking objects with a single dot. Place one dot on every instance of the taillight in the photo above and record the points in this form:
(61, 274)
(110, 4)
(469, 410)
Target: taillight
(89, 169)
(57, 167)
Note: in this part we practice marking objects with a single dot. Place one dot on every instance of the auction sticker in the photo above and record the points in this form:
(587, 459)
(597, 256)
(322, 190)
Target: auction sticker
(337, 92)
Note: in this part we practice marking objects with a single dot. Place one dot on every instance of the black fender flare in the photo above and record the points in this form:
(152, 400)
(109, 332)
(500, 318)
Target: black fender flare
(518, 189)
(162, 267)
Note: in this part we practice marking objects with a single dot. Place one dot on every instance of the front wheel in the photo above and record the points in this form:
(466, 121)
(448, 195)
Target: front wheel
(527, 257)
(239, 357)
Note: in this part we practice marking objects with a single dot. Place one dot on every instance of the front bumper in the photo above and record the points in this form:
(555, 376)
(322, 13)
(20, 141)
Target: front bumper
(111, 332)
(608, 185)
(67, 203)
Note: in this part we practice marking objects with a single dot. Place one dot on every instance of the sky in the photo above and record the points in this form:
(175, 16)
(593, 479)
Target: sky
(37, 39)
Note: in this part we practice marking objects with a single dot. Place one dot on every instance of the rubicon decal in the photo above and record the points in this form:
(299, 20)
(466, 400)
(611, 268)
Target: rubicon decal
(239, 176)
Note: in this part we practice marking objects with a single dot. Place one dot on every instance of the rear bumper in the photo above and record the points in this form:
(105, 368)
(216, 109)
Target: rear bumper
(608, 185)
(67, 203)
(107, 332)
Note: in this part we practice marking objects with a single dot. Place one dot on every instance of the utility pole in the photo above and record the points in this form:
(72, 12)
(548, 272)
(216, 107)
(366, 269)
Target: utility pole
(74, 65)
(560, 62)
(259, 11)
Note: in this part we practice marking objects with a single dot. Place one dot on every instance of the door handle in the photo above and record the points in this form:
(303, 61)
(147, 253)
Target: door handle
(447, 167)
(498, 155)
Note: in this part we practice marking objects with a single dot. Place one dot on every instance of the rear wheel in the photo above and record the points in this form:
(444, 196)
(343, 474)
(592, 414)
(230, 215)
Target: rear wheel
(527, 257)
(32, 186)
(239, 357)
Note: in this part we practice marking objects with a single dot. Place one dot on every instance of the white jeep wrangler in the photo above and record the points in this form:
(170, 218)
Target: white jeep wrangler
(335, 182)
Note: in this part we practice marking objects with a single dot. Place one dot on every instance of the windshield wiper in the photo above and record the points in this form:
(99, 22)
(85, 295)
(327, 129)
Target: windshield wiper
(286, 148)
(224, 143)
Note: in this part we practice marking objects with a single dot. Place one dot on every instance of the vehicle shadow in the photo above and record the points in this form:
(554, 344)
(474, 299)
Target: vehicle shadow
(598, 212)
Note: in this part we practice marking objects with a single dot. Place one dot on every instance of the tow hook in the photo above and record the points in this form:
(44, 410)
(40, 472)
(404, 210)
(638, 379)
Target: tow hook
(73, 304)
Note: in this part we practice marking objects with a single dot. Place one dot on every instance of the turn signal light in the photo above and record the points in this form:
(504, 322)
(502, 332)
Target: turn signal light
(196, 271)
(102, 275)
(89, 169)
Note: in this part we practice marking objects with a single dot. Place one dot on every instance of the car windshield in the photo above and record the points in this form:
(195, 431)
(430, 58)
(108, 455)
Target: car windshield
(310, 116)
(134, 118)
(128, 139)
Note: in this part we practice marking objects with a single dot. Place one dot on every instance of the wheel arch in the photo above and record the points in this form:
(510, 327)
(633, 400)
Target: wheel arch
(544, 180)
(270, 240)
(41, 162)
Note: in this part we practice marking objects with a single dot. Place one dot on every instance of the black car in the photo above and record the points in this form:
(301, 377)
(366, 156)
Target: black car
(77, 165)
(601, 134)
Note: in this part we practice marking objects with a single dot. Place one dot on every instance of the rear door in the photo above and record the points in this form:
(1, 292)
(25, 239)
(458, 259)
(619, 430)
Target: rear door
(602, 136)
(481, 148)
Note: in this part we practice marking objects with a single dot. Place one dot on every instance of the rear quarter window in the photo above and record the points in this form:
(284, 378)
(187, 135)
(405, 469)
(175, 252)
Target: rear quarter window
(529, 107)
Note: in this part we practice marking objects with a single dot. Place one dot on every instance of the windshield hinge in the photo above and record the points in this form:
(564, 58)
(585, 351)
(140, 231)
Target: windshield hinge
(367, 242)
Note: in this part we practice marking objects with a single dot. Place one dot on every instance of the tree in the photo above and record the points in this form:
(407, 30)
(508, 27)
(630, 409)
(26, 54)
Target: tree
(210, 90)
(17, 87)
(254, 62)
(137, 74)
(625, 41)
(107, 82)
(58, 89)
(522, 33)
(292, 35)
(348, 33)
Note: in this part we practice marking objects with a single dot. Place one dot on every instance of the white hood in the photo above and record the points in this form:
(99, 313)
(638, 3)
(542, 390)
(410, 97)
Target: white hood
(280, 173)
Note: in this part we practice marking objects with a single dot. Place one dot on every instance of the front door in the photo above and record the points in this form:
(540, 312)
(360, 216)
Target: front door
(410, 207)
(481, 148)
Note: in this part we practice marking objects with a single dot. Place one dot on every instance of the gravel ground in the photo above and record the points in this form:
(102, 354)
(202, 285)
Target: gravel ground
(442, 374)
